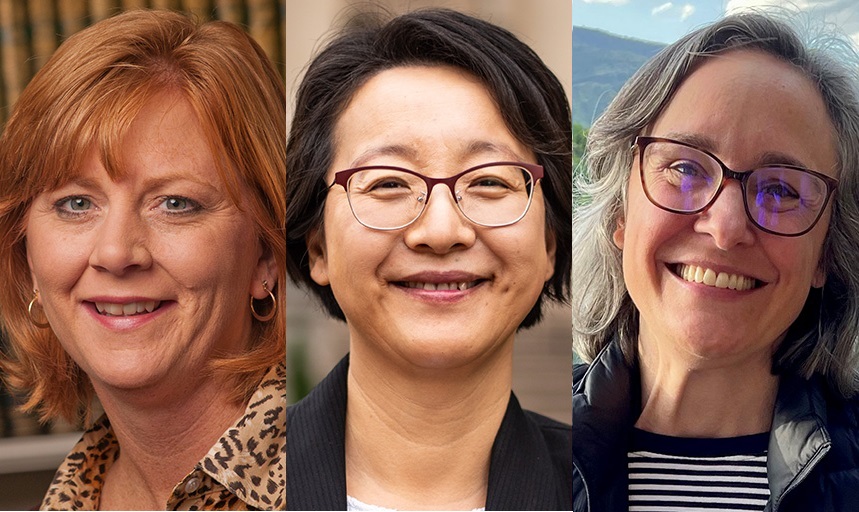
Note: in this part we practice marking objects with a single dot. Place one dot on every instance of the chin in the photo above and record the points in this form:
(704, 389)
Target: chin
(715, 347)
(449, 355)
(133, 375)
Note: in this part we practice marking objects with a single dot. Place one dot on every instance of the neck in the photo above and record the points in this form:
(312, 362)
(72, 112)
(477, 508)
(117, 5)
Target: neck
(710, 399)
(422, 438)
(161, 440)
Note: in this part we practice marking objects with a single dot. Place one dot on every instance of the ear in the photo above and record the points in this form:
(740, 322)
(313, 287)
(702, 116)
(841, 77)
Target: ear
(551, 247)
(619, 232)
(317, 257)
(266, 270)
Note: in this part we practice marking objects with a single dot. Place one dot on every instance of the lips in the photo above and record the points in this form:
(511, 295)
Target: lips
(710, 277)
(127, 309)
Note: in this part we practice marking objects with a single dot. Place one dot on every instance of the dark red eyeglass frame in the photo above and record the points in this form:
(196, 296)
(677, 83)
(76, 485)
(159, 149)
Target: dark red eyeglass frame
(342, 177)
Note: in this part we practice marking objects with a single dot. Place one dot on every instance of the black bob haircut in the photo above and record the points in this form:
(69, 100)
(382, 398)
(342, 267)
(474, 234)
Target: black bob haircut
(532, 103)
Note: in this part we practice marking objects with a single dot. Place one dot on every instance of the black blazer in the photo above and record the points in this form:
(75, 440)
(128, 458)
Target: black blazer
(531, 464)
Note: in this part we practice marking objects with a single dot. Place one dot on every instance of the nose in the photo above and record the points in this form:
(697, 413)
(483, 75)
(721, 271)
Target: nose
(441, 228)
(726, 220)
(120, 245)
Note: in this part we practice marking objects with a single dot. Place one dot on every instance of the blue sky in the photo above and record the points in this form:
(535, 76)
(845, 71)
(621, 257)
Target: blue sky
(665, 21)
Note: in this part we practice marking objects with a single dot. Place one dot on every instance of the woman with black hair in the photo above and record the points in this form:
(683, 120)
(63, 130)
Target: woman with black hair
(429, 202)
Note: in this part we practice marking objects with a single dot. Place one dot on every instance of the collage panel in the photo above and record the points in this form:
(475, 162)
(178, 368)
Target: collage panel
(389, 99)
(142, 248)
(715, 333)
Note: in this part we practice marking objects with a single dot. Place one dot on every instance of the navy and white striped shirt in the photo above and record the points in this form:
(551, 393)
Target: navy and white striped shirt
(676, 474)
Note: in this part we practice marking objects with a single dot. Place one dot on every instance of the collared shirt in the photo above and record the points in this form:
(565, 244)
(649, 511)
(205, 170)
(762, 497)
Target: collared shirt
(530, 464)
(244, 470)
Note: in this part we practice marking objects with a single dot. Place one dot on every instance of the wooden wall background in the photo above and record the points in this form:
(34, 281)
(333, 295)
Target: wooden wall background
(30, 30)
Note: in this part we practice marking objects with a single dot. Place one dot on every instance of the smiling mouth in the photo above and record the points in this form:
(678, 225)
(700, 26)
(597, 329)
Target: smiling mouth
(709, 277)
(460, 286)
(129, 309)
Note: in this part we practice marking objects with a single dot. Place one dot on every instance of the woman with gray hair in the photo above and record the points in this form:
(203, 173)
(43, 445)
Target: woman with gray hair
(717, 293)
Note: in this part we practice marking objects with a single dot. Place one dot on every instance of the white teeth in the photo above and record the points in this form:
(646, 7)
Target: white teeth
(710, 277)
(441, 286)
(130, 309)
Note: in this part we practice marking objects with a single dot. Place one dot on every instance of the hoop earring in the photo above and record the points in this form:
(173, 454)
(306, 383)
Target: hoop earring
(30, 306)
(273, 311)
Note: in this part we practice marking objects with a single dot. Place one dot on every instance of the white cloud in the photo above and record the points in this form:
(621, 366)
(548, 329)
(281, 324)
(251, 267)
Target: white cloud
(662, 8)
(686, 11)
(609, 2)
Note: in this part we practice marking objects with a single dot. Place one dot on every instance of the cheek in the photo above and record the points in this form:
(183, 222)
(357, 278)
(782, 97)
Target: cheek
(211, 258)
(796, 260)
(352, 252)
(523, 252)
(56, 259)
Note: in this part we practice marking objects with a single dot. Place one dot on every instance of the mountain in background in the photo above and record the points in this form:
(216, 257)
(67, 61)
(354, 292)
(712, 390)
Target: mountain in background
(602, 62)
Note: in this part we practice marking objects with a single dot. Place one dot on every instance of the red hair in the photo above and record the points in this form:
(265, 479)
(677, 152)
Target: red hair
(85, 97)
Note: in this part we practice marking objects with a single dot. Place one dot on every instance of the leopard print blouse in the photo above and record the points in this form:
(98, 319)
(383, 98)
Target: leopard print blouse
(244, 470)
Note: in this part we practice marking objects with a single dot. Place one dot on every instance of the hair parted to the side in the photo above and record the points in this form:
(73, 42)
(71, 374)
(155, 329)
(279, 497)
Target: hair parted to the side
(530, 98)
(825, 337)
(85, 98)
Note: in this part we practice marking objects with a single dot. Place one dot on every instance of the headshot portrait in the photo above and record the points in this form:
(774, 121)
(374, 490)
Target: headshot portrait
(715, 290)
(428, 217)
(143, 262)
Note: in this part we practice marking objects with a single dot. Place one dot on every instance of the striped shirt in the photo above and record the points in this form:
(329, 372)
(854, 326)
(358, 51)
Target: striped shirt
(674, 474)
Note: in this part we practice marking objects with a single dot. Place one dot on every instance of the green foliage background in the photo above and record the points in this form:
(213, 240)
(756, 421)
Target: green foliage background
(580, 137)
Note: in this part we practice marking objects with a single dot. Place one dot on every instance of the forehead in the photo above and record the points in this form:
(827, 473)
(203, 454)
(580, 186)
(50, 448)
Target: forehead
(164, 138)
(750, 104)
(423, 113)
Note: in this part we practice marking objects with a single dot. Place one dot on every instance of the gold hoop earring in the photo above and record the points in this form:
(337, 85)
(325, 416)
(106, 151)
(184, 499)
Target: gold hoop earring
(273, 311)
(30, 306)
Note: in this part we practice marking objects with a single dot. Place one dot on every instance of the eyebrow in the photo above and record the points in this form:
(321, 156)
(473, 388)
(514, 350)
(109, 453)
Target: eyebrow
(150, 184)
(388, 150)
(472, 148)
(161, 181)
(763, 160)
(477, 147)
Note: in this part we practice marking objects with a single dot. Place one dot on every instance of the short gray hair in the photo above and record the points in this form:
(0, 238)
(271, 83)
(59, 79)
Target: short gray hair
(824, 337)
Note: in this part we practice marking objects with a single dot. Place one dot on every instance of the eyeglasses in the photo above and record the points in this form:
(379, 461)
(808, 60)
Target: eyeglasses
(492, 195)
(780, 199)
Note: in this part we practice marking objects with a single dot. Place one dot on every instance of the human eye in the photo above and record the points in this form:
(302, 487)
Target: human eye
(388, 183)
(383, 184)
(685, 171)
(71, 207)
(178, 205)
(489, 181)
(776, 195)
(494, 181)
(685, 174)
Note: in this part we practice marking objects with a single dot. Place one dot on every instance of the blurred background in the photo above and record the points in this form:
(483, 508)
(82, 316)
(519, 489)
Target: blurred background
(542, 363)
(30, 30)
